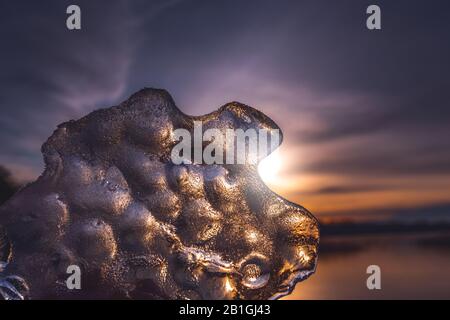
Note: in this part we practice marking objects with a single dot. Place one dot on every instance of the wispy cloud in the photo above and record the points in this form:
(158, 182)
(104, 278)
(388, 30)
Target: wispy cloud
(50, 74)
(352, 103)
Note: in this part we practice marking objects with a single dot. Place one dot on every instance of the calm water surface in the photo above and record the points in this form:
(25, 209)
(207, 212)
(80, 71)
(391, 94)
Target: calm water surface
(412, 267)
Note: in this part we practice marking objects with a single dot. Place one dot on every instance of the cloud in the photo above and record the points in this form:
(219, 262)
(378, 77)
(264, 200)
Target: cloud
(50, 74)
(350, 101)
(339, 189)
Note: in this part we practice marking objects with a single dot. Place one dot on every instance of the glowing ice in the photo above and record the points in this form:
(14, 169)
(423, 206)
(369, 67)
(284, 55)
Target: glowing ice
(111, 201)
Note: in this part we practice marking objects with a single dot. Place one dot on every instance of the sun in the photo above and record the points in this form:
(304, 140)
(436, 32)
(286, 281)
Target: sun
(269, 167)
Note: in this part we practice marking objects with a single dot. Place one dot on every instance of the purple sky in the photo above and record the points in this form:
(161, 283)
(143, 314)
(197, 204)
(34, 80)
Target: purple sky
(366, 114)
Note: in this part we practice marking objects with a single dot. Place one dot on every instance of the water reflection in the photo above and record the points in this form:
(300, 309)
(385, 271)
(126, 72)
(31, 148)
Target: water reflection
(413, 266)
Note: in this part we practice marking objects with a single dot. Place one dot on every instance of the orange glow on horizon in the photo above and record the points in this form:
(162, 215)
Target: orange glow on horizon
(309, 190)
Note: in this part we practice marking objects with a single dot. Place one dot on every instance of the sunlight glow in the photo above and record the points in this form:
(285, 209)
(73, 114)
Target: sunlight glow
(304, 256)
(269, 167)
(228, 286)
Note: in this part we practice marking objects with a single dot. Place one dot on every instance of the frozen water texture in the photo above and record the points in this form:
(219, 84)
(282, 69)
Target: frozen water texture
(111, 201)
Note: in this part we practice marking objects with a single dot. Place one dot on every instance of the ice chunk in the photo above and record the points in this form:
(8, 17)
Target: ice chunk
(111, 201)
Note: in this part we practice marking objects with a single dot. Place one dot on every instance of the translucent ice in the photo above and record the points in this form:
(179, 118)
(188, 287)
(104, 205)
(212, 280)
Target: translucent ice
(111, 202)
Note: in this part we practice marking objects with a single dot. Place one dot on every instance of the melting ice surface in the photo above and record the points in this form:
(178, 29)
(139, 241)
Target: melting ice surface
(12, 287)
(139, 226)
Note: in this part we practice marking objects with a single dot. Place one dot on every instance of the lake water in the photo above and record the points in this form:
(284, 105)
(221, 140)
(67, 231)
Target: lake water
(414, 266)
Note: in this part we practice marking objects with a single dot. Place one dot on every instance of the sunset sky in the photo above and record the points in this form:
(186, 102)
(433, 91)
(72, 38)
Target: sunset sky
(365, 114)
